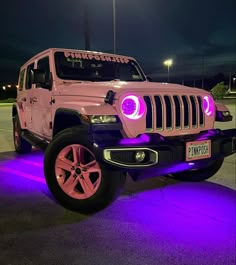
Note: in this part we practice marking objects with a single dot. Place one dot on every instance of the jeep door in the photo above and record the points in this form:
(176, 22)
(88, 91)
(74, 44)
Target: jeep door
(25, 95)
(41, 102)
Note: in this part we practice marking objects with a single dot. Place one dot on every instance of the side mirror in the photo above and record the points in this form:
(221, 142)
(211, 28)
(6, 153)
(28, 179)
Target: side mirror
(42, 78)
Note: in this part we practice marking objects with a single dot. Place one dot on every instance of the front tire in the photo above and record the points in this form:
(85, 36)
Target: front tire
(74, 176)
(200, 174)
(21, 145)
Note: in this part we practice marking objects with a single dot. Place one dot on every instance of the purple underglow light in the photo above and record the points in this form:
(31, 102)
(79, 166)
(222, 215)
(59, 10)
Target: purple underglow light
(163, 170)
(133, 107)
(207, 135)
(179, 167)
(191, 164)
(25, 171)
(208, 105)
(144, 138)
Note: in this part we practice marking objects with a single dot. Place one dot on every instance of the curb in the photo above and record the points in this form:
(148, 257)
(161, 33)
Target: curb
(5, 104)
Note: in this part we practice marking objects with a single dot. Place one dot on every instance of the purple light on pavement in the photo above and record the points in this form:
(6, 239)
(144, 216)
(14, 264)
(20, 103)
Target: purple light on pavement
(195, 222)
(180, 167)
(23, 173)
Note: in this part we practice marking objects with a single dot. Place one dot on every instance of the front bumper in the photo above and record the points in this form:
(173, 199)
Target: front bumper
(161, 152)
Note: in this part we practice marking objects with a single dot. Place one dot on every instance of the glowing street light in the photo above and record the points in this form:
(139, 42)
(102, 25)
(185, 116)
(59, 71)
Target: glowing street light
(9, 86)
(168, 63)
(4, 87)
(233, 86)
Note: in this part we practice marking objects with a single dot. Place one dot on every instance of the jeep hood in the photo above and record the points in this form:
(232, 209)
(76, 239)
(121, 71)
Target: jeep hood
(100, 89)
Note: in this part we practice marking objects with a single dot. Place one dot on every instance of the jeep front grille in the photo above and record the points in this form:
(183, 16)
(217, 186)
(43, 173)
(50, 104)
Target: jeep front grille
(173, 112)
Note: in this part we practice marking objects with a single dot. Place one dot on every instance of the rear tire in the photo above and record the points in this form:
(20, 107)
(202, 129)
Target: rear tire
(200, 174)
(21, 145)
(75, 178)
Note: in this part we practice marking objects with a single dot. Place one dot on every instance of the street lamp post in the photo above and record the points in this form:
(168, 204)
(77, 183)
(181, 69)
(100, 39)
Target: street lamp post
(234, 79)
(168, 63)
(114, 26)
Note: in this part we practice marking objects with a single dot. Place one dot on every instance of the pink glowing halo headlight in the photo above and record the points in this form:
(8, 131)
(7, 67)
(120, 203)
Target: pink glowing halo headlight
(133, 107)
(208, 105)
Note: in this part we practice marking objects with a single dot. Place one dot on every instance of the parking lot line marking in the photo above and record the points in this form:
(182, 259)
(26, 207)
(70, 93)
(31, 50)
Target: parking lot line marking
(22, 174)
(6, 130)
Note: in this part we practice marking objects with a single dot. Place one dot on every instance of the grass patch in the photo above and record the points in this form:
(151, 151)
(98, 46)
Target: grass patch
(5, 104)
(8, 100)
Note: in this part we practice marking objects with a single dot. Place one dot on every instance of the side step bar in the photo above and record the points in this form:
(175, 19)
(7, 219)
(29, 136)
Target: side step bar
(34, 140)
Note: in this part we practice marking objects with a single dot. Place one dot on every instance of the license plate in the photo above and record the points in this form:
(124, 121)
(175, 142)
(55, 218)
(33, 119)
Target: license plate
(198, 150)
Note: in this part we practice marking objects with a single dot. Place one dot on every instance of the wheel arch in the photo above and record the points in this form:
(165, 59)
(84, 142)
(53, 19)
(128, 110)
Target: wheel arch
(66, 118)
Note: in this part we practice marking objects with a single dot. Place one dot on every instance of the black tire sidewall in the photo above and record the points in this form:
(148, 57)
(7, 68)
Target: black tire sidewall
(23, 146)
(16, 128)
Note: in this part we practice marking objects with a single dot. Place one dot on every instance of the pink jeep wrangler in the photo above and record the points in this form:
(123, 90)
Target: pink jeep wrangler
(98, 118)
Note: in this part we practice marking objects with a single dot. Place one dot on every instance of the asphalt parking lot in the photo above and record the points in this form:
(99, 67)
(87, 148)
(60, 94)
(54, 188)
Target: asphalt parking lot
(156, 221)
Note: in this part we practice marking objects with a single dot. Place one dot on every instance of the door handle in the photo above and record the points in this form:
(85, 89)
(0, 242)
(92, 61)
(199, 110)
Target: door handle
(52, 101)
(33, 99)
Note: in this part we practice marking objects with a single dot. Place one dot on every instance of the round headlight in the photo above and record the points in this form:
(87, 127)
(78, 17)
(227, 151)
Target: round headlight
(208, 105)
(133, 107)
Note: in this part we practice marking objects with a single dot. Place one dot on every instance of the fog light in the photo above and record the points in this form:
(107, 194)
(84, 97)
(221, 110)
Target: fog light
(140, 156)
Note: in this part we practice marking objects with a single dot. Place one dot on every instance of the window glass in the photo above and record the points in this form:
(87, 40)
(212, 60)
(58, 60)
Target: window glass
(43, 65)
(21, 79)
(29, 75)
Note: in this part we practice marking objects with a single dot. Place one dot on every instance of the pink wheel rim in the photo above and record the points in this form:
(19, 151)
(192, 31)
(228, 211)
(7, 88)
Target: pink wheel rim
(77, 172)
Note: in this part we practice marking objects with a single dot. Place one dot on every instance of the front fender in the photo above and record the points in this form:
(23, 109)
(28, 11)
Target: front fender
(222, 113)
(220, 107)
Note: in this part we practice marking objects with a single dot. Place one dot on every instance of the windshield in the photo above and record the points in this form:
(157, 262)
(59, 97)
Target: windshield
(93, 67)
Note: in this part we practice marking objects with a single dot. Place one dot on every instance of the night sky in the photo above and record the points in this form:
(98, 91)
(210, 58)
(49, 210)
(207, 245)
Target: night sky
(199, 35)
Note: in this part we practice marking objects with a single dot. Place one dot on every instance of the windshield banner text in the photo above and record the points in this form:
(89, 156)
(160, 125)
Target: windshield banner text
(98, 57)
